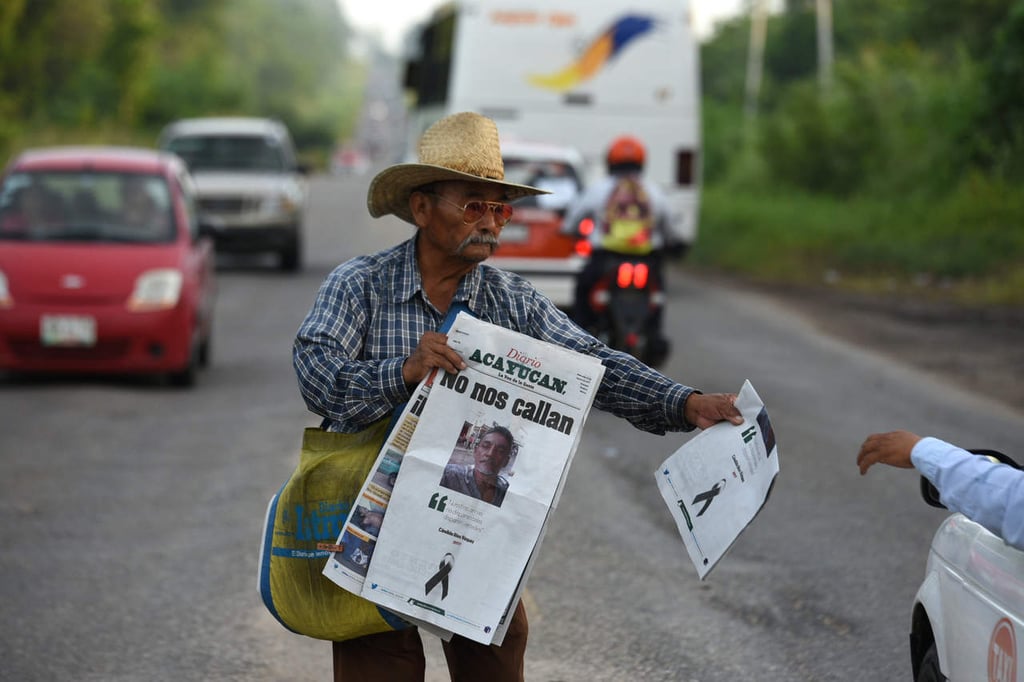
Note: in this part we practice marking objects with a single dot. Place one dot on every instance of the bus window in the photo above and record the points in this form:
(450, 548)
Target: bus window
(684, 167)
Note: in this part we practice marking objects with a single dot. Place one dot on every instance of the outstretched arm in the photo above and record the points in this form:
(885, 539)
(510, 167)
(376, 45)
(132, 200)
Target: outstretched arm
(987, 492)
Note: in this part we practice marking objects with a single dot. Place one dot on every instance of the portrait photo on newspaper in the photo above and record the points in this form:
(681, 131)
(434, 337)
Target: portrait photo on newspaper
(482, 462)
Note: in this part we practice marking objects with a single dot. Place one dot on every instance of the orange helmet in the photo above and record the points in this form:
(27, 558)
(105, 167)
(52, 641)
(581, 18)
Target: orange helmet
(626, 149)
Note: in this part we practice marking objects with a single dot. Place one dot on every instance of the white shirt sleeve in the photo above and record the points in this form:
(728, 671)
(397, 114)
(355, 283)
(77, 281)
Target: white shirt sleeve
(989, 493)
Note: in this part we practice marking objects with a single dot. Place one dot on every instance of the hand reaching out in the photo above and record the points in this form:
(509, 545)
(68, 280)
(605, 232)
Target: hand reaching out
(891, 448)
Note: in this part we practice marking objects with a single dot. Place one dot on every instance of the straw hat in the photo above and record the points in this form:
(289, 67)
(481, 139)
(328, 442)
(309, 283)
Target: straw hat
(462, 146)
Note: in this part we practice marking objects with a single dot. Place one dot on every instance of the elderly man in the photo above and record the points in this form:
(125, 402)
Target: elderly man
(371, 336)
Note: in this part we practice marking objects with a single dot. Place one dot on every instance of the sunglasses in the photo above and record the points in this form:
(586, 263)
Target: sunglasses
(473, 211)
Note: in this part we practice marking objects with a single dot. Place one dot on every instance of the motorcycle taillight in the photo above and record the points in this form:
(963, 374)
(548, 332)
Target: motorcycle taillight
(624, 277)
(632, 275)
(640, 274)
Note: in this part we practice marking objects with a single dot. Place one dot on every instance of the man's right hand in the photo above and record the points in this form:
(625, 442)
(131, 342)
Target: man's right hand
(432, 351)
(707, 410)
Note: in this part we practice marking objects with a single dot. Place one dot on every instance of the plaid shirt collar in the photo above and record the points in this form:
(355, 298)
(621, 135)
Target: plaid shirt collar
(410, 280)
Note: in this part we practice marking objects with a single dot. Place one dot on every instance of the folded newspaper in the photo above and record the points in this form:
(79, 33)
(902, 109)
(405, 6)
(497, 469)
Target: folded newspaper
(717, 482)
(426, 543)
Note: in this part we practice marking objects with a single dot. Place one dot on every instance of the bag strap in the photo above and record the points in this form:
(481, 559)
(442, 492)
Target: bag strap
(453, 311)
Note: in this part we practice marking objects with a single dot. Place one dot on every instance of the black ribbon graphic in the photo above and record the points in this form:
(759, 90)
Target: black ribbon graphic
(707, 496)
(444, 568)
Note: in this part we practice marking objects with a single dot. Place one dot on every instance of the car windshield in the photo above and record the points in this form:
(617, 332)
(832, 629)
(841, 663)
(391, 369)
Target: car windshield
(557, 177)
(229, 153)
(91, 206)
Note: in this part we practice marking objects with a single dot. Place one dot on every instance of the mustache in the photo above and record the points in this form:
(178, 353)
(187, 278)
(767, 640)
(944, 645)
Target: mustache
(485, 238)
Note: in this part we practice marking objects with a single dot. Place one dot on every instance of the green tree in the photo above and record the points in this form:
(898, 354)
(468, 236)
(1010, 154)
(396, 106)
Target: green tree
(947, 25)
(118, 70)
(1001, 144)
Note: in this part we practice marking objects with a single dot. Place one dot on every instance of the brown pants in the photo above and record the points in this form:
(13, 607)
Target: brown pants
(398, 656)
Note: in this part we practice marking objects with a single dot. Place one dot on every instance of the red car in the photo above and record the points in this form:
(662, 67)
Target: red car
(532, 243)
(103, 268)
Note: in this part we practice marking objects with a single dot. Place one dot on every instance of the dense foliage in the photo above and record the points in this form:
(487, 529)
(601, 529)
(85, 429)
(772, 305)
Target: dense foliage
(118, 70)
(909, 165)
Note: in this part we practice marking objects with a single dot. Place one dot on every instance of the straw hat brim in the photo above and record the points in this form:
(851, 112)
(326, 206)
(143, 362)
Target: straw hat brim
(389, 191)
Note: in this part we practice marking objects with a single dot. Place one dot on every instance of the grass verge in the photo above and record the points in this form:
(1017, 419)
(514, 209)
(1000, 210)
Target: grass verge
(966, 247)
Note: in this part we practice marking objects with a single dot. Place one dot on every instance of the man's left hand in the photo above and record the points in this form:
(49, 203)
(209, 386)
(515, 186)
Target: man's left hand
(704, 410)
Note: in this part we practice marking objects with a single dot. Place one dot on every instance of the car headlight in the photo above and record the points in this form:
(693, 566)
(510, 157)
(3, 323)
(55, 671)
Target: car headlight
(5, 293)
(284, 202)
(156, 290)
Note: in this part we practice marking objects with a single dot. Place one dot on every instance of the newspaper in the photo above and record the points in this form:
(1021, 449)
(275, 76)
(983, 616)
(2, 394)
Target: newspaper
(717, 482)
(442, 555)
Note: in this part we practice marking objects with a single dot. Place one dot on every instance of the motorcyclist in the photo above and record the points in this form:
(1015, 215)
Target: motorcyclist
(624, 160)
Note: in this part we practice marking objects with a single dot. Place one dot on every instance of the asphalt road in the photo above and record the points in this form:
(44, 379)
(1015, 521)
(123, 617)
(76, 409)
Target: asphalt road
(130, 512)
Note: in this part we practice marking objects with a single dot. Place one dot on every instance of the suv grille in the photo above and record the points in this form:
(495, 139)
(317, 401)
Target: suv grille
(228, 204)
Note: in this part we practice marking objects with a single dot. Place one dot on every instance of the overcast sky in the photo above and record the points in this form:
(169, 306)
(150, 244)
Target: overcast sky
(392, 18)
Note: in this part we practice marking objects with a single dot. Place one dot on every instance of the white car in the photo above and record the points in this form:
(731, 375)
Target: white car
(969, 611)
(251, 188)
(532, 243)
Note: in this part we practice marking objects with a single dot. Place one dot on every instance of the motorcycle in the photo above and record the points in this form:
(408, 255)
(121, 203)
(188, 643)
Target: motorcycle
(626, 303)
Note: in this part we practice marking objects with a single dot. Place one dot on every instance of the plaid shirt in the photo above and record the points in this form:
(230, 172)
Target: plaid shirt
(371, 311)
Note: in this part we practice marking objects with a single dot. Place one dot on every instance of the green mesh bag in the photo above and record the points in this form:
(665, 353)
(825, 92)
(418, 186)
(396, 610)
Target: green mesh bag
(311, 508)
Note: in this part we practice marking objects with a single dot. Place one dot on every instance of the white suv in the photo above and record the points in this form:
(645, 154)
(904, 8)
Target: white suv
(251, 189)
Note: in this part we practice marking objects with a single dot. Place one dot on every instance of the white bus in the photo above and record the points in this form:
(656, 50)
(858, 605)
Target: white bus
(572, 72)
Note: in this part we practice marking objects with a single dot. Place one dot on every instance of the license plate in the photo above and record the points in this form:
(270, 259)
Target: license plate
(67, 330)
(515, 233)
